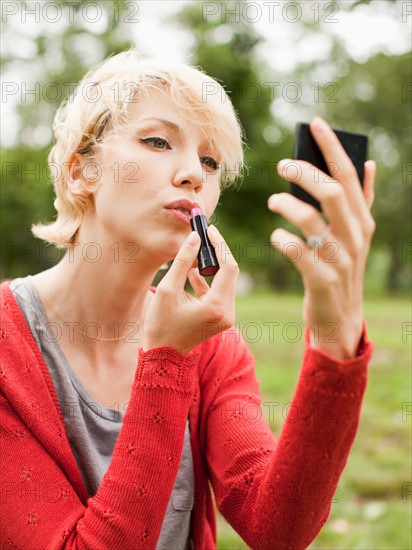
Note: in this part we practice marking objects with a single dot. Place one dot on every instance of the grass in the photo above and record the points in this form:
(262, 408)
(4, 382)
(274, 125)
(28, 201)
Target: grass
(369, 512)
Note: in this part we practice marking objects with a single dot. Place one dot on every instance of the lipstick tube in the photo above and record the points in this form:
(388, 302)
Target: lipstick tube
(208, 264)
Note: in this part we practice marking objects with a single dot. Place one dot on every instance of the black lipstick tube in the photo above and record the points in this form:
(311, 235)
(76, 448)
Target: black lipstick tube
(208, 264)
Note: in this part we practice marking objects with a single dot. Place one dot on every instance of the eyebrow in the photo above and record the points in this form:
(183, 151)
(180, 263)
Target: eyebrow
(168, 123)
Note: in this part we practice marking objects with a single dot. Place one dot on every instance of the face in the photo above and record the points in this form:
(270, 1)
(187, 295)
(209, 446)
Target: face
(152, 174)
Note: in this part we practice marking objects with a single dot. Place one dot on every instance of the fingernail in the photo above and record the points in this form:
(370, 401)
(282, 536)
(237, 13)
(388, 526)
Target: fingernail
(193, 238)
(284, 162)
(214, 235)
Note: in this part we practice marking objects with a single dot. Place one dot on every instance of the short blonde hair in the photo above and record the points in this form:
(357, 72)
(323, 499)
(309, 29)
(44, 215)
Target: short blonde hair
(100, 105)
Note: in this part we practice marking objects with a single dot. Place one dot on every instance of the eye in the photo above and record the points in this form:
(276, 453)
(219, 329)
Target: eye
(210, 163)
(158, 142)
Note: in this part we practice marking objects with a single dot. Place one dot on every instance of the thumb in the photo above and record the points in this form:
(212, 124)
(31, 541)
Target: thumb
(177, 275)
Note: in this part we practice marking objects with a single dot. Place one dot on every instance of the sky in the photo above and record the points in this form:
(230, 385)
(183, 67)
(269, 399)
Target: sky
(366, 30)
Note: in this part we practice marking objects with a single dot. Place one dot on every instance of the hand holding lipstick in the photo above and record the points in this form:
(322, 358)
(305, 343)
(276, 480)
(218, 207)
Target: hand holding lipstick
(176, 319)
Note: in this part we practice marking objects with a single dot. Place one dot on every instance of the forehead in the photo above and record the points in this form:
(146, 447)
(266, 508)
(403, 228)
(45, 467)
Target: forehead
(157, 109)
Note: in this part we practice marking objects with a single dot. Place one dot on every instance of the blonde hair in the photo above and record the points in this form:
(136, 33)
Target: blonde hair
(100, 105)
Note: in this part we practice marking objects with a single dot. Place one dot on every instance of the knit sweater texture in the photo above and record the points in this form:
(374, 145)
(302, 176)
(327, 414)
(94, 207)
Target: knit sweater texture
(275, 493)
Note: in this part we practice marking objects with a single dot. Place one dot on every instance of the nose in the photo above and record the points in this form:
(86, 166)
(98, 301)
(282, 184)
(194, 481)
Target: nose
(190, 171)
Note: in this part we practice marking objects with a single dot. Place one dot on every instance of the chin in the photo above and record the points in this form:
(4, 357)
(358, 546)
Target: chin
(168, 247)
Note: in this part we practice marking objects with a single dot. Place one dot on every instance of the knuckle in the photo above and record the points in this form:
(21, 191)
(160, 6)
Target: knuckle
(370, 226)
(217, 315)
(231, 319)
(309, 219)
(180, 261)
(335, 193)
(164, 288)
(331, 279)
(228, 321)
(344, 263)
(233, 267)
(355, 247)
(351, 171)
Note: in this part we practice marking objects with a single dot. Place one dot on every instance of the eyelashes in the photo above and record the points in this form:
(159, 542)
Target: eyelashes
(214, 165)
(160, 140)
(162, 143)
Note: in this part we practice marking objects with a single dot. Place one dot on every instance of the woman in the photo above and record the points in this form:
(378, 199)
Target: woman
(120, 401)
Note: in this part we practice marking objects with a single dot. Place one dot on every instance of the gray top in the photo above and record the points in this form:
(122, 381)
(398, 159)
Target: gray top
(93, 429)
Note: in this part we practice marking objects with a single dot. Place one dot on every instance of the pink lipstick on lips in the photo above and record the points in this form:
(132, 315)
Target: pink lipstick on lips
(208, 264)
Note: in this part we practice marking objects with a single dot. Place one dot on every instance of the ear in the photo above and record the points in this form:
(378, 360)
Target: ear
(75, 183)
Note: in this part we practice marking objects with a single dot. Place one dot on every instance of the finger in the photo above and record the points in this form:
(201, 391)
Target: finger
(341, 166)
(301, 214)
(296, 250)
(369, 182)
(177, 275)
(224, 282)
(331, 196)
(198, 283)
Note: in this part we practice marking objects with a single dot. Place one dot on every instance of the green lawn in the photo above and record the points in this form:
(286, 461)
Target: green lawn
(369, 512)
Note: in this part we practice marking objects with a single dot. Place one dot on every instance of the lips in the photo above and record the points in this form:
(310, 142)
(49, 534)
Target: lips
(181, 209)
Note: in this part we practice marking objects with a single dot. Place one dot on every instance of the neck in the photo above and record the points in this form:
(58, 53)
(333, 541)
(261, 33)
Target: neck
(106, 286)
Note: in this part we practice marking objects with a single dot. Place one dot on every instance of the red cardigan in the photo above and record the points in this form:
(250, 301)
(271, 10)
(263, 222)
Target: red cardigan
(275, 494)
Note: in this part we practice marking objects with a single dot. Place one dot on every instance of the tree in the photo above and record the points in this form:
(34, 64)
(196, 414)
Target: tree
(61, 55)
(376, 99)
(352, 96)
(234, 62)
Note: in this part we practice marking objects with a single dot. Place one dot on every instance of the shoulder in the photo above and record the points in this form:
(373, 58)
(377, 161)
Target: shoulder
(14, 329)
(8, 303)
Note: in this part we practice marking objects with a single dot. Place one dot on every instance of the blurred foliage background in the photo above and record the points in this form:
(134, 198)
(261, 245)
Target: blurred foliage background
(371, 96)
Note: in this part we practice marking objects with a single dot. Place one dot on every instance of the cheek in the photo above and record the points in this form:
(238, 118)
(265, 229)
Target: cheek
(141, 176)
(124, 173)
(212, 199)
